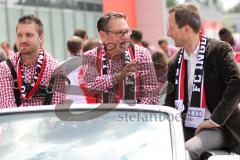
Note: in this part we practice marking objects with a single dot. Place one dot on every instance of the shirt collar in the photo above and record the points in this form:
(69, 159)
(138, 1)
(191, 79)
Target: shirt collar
(188, 56)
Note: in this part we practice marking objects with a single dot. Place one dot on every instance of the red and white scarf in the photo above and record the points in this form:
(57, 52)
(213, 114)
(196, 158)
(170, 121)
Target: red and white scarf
(196, 110)
(41, 63)
(87, 97)
(128, 89)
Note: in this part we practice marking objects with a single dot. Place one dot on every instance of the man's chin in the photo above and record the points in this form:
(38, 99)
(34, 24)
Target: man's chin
(25, 52)
(123, 49)
(124, 45)
(178, 45)
(117, 54)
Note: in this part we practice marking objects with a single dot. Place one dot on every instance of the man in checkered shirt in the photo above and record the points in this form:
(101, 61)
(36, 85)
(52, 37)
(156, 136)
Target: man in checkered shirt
(108, 70)
(33, 66)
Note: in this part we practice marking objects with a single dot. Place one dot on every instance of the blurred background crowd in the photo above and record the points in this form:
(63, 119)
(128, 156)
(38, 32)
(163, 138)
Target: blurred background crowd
(63, 19)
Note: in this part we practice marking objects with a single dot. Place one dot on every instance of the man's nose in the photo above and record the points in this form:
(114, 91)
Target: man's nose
(23, 39)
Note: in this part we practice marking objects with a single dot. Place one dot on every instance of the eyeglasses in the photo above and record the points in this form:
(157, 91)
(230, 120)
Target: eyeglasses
(120, 34)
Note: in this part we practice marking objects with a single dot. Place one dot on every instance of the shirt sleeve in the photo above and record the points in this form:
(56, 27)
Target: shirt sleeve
(149, 87)
(6, 87)
(95, 82)
(59, 95)
(230, 75)
(60, 86)
(214, 123)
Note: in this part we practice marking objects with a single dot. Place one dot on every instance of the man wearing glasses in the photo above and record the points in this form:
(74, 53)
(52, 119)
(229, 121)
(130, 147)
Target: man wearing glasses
(117, 72)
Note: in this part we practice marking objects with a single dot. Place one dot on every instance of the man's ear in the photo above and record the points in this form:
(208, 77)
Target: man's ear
(41, 38)
(187, 28)
(102, 35)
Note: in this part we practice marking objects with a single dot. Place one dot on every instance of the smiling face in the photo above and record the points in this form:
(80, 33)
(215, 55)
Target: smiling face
(28, 39)
(116, 36)
(176, 33)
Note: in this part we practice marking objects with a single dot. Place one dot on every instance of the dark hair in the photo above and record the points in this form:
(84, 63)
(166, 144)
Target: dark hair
(28, 19)
(159, 60)
(80, 33)
(102, 23)
(74, 45)
(145, 44)
(224, 31)
(187, 14)
(90, 44)
(226, 35)
(161, 41)
(136, 35)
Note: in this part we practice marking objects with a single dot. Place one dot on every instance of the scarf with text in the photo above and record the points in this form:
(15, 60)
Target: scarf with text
(127, 90)
(196, 110)
(41, 63)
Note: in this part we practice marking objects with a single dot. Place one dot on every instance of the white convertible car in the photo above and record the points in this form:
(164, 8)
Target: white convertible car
(91, 132)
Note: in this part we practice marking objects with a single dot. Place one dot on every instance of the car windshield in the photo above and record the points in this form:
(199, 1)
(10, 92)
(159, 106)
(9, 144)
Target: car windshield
(118, 135)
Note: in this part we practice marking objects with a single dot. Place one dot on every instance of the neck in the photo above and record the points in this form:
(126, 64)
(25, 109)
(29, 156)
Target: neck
(115, 54)
(29, 59)
(191, 43)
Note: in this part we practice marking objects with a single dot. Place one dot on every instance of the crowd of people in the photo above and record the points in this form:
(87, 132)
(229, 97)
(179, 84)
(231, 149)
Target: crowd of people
(200, 73)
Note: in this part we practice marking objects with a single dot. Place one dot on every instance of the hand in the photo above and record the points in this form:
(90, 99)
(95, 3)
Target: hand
(128, 69)
(205, 124)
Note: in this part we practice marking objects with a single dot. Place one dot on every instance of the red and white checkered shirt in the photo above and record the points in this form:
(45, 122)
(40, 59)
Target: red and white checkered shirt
(6, 83)
(149, 88)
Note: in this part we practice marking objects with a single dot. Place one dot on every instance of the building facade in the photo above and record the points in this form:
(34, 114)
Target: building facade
(60, 19)
(148, 16)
